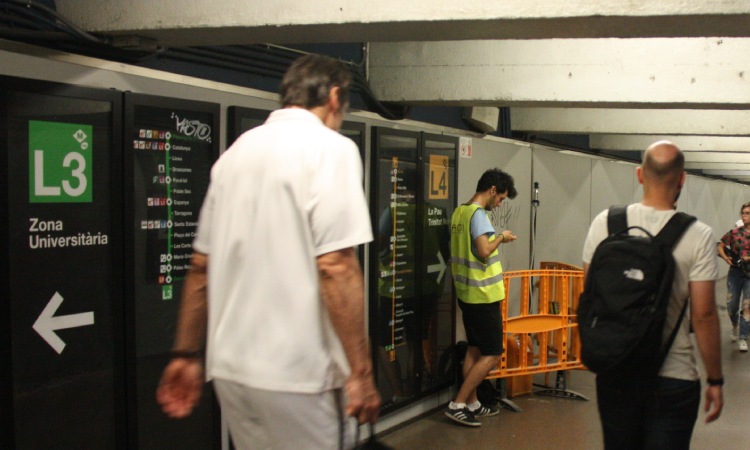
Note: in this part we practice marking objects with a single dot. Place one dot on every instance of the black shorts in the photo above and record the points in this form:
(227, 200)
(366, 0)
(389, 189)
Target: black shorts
(484, 327)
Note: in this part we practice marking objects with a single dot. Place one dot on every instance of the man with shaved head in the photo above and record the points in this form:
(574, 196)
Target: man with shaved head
(662, 413)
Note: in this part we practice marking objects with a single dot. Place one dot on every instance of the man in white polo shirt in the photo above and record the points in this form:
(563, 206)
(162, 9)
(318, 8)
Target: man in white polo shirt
(275, 285)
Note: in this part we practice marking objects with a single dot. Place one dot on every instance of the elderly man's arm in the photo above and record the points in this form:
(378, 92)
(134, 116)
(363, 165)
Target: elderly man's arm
(342, 289)
(182, 380)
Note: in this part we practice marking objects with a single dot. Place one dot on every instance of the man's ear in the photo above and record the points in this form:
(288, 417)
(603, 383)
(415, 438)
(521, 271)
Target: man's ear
(333, 98)
(639, 173)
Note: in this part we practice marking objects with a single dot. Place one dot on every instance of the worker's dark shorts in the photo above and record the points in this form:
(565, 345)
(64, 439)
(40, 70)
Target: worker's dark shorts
(484, 327)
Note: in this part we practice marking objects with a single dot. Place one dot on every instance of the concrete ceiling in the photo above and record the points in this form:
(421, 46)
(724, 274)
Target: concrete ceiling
(624, 73)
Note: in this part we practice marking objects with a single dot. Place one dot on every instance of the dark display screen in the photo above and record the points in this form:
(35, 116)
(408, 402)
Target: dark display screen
(64, 243)
(411, 315)
(241, 119)
(171, 145)
(439, 200)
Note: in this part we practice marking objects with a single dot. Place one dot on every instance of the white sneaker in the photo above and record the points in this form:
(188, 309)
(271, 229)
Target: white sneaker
(735, 333)
(743, 345)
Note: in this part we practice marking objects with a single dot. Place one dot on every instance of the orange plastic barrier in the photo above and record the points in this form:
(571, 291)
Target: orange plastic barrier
(544, 326)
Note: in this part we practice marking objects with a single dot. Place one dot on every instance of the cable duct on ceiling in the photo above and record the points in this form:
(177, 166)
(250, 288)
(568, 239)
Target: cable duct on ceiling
(35, 23)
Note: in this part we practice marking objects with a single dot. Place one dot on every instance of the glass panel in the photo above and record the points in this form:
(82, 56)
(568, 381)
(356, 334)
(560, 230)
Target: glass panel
(438, 200)
(171, 150)
(397, 334)
(62, 247)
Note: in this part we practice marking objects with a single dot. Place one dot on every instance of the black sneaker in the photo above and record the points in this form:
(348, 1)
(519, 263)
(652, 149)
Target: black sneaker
(463, 416)
(486, 411)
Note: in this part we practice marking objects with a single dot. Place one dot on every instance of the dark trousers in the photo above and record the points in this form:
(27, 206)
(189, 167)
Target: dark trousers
(658, 414)
(738, 289)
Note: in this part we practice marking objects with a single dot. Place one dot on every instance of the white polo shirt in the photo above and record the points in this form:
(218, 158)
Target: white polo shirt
(283, 194)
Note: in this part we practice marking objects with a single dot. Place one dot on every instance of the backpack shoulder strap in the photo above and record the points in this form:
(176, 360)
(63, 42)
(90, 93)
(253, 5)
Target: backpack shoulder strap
(617, 219)
(673, 334)
(672, 231)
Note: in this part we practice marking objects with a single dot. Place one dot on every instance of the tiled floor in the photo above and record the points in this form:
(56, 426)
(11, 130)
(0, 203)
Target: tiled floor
(548, 423)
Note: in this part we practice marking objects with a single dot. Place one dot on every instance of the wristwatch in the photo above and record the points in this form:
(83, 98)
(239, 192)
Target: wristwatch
(715, 381)
(187, 354)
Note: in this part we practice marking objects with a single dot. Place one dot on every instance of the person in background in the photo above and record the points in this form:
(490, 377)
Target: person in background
(275, 287)
(478, 279)
(662, 414)
(734, 249)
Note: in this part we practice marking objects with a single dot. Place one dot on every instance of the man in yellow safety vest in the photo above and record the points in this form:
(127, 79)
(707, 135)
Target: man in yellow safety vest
(478, 278)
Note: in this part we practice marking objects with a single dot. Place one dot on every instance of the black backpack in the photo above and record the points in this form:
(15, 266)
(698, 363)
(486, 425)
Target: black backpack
(623, 308)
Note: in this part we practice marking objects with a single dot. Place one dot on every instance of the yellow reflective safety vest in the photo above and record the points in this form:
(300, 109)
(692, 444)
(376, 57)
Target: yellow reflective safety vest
(476, 281)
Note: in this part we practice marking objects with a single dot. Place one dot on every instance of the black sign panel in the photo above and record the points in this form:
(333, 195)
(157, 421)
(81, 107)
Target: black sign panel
(170, 146)
(241, 119)
(411, 307)
(62, 251)
(356, 132)
(438, 195)
(396, 206)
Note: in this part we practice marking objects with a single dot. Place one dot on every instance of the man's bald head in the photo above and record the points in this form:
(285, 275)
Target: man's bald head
(663, 162)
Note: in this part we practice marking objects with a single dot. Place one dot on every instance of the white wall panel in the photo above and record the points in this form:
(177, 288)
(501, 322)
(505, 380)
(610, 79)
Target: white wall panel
(565, 203)
(612, 183)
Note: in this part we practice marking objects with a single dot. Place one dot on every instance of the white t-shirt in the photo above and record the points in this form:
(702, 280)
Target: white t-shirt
(695, 257)
(283, 194)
